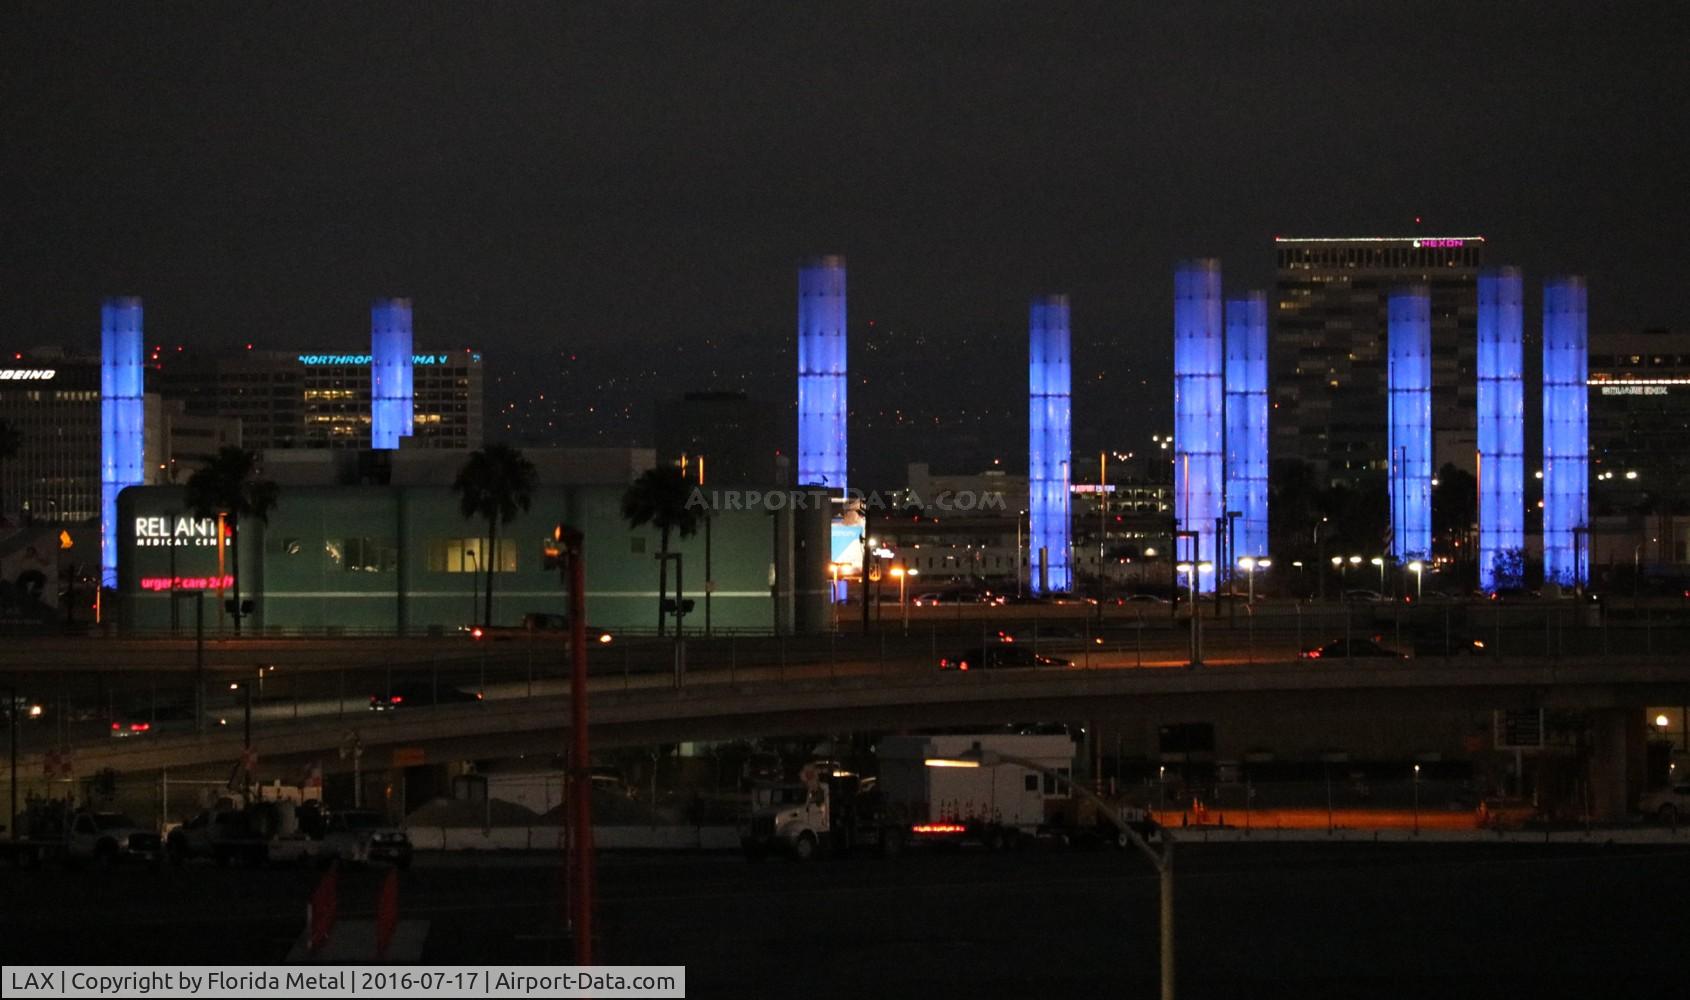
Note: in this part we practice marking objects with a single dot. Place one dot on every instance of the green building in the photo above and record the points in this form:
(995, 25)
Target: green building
(386, 559)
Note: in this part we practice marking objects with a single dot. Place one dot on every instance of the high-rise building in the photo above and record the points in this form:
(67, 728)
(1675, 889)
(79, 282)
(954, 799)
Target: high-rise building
(51, 398)
(308, 399)
(1640, 420)
(1328, 355)
(724, 438)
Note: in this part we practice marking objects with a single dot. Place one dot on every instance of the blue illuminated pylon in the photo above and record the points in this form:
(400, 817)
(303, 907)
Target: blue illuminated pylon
(391, 394)
(122, 419)
(1247, 424)
(821, 373)
(1502, 430)
(1049, 451)
(1566, 437)
(1199, 421)
(1410, 421)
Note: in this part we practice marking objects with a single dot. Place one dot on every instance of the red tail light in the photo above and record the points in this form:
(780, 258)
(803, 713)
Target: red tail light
(476, 633)
(479, 696)
(395, 699)
(117, 725)
(963, 665)
(140, 727)
(1313, 654)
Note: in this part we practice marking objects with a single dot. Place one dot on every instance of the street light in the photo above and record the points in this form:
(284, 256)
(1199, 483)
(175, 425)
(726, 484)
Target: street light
(1249, 565)
(1417, 800)
(901, 574)
(833, 595)
(1417, 568)
(1379, 561)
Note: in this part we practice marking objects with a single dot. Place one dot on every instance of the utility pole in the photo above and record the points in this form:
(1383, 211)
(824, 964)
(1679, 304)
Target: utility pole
(573, 566)
(12, 719)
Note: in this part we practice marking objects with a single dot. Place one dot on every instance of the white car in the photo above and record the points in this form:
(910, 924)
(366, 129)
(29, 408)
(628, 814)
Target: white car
(1669, 805)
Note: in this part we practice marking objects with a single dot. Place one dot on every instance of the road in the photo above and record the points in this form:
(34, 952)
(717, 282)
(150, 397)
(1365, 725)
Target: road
(1254, 920)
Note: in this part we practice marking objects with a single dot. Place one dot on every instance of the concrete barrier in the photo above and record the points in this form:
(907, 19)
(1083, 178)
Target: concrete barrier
(550, 838)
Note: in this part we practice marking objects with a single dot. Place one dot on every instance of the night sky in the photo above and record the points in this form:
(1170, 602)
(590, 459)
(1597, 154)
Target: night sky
(609, 199)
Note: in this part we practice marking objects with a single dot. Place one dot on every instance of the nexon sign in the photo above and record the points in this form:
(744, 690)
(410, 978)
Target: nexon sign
(173, 532)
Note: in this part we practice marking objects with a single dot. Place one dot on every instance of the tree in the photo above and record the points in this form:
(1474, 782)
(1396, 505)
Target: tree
(232, 485)
(10, 442)
(495, 484)
(658, 497)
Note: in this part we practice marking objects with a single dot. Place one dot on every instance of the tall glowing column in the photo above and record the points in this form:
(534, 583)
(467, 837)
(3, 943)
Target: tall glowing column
(1502, 430)
(390, 373)
(1247, 424)
(1199, 420)
(821, 372)
(1410, 421)
(1566, 454)
(1049, 446)
(122, 419)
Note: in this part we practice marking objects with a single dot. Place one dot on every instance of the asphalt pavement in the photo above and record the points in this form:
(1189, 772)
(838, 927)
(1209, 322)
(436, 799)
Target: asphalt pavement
(1254, 919)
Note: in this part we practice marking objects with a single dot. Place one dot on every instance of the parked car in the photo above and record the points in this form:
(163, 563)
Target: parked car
(360, 836)
(1340, 649)
(1363, 597)
(1669, 805)
(420, 694)
(1001, 655)
(1144, 599)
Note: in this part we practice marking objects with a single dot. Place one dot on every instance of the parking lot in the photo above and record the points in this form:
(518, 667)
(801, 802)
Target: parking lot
(1329, 920)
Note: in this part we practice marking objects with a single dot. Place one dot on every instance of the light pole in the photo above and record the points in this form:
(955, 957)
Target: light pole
(1417, 800)
(475, 583)
(833, 595)
(1338, 565)
(1191, 571)
(1354, 562)
(1417, 568)
(902, 574)
(1379, 561)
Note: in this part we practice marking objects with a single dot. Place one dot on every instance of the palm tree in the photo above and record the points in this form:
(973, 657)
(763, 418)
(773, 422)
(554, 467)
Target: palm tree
(659, 498)
(232, 485)
(10, 442)
(495, 483)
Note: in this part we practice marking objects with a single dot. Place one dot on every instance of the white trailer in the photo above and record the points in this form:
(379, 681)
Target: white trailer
(935, 789)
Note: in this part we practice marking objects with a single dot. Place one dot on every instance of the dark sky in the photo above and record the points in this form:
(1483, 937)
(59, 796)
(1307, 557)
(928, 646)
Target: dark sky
(630, 184)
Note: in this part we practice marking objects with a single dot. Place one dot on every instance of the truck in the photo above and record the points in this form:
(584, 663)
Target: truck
(929, 790)
(55, 831)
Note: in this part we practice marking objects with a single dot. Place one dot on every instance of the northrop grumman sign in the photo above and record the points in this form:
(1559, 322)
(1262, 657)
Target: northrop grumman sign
(173, 532)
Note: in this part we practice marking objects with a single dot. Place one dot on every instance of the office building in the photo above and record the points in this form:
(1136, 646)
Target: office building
(312, 399)
(1328, 354)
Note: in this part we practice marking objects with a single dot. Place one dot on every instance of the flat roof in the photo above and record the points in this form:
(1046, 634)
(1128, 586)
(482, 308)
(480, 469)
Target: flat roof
(1410, 240)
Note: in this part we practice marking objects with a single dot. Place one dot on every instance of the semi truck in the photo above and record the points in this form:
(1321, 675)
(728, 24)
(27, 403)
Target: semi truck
(928, 790)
